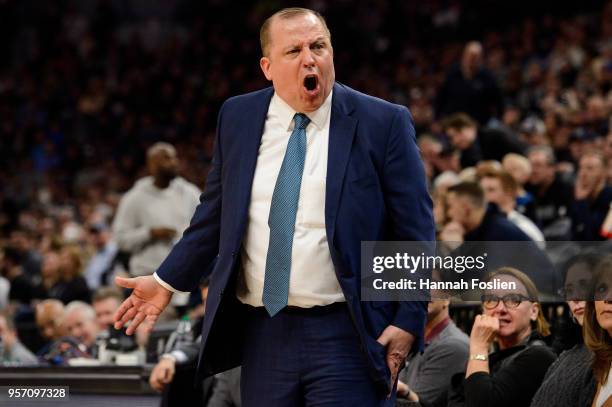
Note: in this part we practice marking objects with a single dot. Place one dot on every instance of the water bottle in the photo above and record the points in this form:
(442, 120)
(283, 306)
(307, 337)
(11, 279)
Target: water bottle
(184, 336)
(181, 337)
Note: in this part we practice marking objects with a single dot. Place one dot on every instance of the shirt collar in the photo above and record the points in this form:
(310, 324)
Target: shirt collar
(437, 330)
(286, 112)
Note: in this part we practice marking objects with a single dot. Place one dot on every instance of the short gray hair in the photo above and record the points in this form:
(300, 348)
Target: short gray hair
(87, 310)
(286, 14)
(551, 159)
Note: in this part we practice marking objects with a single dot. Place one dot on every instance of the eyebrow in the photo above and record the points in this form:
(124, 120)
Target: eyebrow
(317, 40)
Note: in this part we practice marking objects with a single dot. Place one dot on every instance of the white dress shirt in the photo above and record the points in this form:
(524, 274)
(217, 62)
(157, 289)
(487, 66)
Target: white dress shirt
(312, 280)
(528, 227)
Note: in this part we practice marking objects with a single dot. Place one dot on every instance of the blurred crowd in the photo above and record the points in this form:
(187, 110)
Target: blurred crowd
(511, 109)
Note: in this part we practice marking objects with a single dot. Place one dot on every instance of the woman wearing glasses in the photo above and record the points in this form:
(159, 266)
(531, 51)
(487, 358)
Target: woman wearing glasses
(513, 326)
(569, 382)
(598, 332)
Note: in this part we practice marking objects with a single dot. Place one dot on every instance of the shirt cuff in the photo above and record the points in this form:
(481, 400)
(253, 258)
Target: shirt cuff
(167, 286)
(179, 355)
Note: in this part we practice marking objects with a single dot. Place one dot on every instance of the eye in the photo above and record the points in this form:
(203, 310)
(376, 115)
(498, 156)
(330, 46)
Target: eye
(512, 300)
(601, 291)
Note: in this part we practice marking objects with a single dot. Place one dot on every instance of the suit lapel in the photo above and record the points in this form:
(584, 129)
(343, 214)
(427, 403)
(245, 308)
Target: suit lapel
(251, 134)
(341, 134)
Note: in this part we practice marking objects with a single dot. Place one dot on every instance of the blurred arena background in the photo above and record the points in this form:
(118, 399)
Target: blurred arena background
(88, 86)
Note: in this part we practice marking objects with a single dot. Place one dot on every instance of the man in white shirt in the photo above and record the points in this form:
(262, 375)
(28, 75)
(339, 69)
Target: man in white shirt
(500, 188)
(153, 214)
(303, 172)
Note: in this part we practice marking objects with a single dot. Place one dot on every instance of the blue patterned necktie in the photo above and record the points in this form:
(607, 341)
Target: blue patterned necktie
(281, 220)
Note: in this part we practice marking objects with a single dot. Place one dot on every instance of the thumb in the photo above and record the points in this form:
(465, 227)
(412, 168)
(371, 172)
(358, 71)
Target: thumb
(384, 337)
(125, 282)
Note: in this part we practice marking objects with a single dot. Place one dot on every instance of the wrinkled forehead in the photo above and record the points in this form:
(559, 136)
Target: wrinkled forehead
(514, 286)
(299, 28)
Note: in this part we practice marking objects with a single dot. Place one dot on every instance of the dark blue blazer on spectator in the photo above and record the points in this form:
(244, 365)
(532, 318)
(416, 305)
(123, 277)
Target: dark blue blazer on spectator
(588, 216)
(375, 190)
(495, 226)
(507, 245)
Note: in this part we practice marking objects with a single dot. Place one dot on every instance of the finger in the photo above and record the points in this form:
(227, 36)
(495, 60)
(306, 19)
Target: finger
(157, 386)
(384, 338)
(128, 316)
(166, 375)
(150, 321)
(125, 282)
(125, 305)
(140, 316)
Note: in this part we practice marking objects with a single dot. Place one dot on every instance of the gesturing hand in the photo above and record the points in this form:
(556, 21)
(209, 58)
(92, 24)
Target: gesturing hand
(146, 302)
(398, 343)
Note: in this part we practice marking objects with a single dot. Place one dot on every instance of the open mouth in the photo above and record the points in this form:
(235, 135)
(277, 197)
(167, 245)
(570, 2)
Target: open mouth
(311, 82)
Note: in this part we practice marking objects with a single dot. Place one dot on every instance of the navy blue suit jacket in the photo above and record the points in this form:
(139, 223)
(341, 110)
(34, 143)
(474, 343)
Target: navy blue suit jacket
(375, 190)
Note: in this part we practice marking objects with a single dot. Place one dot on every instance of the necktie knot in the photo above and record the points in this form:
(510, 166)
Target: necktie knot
(301, 121)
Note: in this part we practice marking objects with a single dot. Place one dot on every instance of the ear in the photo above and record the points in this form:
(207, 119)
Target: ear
(535, 311)
(264, 64)
(467, 209)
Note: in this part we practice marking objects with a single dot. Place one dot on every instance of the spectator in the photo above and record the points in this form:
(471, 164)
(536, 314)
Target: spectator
(512, 321)
(593, 198)
(21, 290)
(569, 381)
(31, 260)
(73, 286)
(577, 282)
(598, 331)
(533, 131)
(80, 322)
(426, 379)
(164, 371)
(581, 141)
(500, 188)
(472, 220)
(12, 350)
(519, 167)
(553, 196)
(477, 144)
(471, 88)
(105, 302)
(98, 269)
(169, 202)
(49, 314)
(50, 285)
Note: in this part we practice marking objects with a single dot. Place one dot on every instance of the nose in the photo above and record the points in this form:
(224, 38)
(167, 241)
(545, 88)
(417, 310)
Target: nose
(499, 309)
(308, 58)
